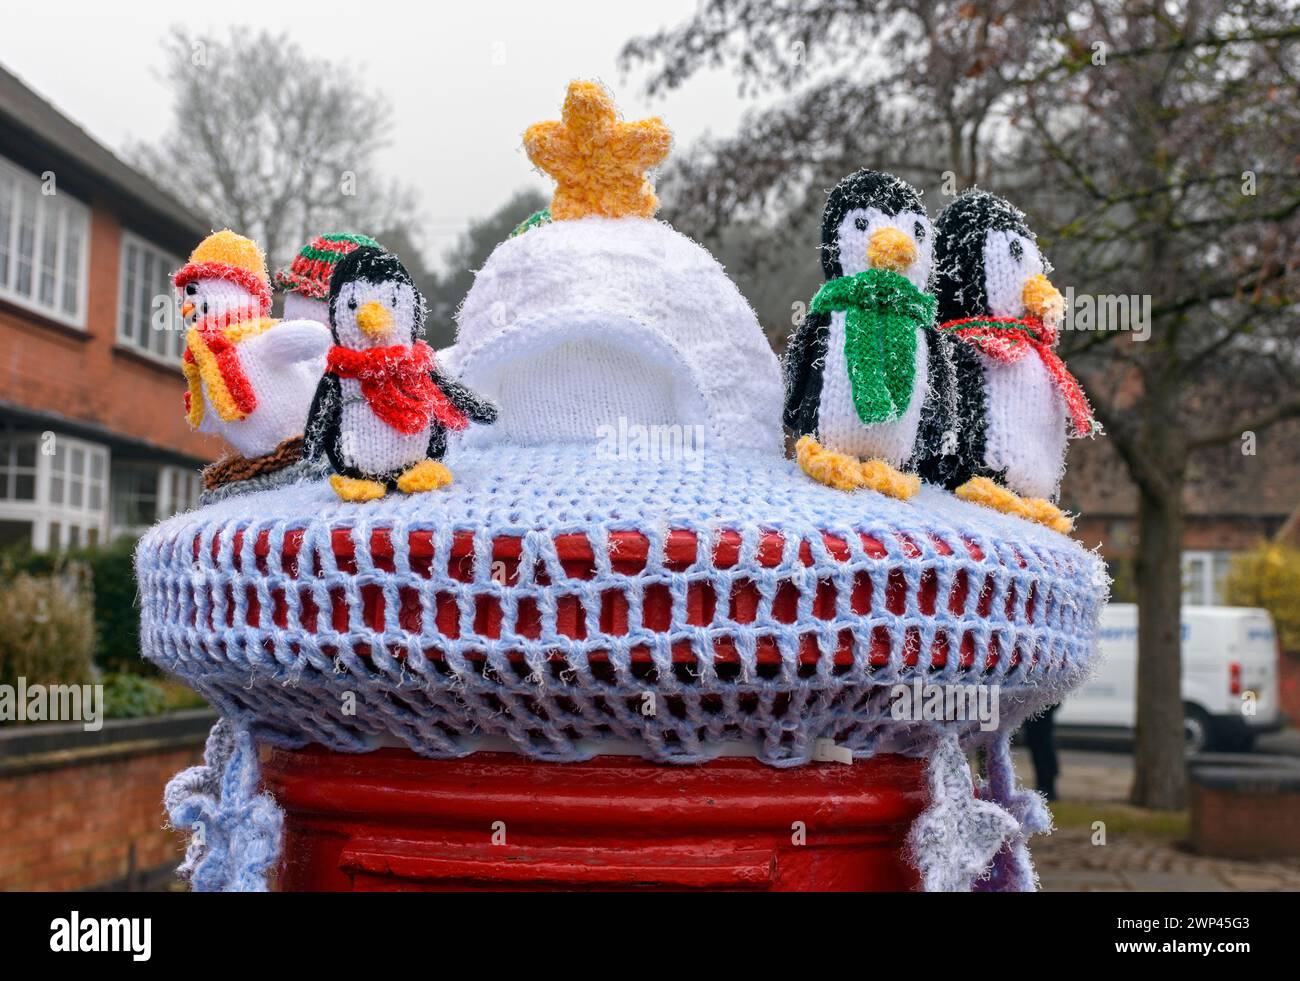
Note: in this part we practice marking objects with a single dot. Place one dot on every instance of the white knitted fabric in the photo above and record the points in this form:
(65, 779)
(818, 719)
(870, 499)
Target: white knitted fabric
(369, 443)
(1027, 421)
(1005, 274)
(299, 307)
(1026, 426)
(283, 366)
(221, 300)
(579, 326)
(838, 425)
(854, 241)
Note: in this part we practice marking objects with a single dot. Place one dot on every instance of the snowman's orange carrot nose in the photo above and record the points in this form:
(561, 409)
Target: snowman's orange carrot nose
(375, 320)
(186, 309)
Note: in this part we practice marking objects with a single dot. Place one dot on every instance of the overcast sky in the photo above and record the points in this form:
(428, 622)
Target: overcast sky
(464, 79)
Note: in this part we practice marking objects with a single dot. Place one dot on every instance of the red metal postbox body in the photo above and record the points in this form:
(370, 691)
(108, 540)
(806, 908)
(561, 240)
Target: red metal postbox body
(391, 820)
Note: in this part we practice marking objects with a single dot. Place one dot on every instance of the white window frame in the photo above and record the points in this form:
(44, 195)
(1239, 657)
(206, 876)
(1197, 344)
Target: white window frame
(43, 512)
(189, 487)
(1203, 561)
(69, 211)
(164, 261)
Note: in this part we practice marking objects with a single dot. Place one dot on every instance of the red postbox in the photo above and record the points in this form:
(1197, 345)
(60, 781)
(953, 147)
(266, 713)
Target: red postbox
(390, 820)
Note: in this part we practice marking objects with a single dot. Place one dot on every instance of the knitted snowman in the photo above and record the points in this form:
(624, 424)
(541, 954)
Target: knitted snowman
(857, 368)
(383, 409)
(597, 324)
(306, 282)
(1019, 402)
(250, 378)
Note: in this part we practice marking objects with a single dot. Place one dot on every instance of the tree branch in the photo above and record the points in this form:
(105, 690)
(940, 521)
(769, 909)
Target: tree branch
(1286, 410)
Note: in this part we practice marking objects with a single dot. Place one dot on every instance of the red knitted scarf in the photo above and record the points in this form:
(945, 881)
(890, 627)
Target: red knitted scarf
(398, 385)
(1008, 340)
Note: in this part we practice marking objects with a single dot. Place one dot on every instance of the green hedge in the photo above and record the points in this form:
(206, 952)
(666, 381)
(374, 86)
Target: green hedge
(129, 696)
(47, 628)
(117, 617)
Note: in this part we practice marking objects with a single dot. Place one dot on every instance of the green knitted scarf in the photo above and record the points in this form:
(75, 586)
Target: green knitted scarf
(883, 312)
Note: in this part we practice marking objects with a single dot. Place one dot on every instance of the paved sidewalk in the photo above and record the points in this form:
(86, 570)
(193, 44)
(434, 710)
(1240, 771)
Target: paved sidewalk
(1132, 858)
(1068, 861)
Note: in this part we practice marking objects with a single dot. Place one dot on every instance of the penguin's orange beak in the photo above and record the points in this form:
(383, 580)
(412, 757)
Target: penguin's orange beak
(375, 320)
(891, 249)
(1043, 300)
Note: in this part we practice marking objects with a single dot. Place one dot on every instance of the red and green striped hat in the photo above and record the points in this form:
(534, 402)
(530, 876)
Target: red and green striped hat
(310, 271)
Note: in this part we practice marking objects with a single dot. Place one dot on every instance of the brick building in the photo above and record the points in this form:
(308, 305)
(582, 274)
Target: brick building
(1233, 501)
(93, 444)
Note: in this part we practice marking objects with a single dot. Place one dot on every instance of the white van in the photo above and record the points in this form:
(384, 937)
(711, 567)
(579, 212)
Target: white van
(1230, 686)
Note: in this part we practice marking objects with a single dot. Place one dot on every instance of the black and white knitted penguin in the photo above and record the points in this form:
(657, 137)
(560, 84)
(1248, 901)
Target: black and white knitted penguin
(383, 409)
(1017, 402)
(857, 368)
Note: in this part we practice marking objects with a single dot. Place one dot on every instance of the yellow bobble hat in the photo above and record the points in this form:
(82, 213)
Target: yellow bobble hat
(234, 258)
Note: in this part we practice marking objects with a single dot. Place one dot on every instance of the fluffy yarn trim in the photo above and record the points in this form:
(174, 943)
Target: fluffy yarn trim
(1008, 340)
(884, 311)
(1012, 869)
(211, 361)
(233, 258)
(398, 385)
(955, 840)
(234, 829)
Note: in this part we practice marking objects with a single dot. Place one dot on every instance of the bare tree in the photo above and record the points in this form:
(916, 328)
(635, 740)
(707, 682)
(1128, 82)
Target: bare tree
(1155, 148)
(467, 255)
(1194, 202)
(274, 143)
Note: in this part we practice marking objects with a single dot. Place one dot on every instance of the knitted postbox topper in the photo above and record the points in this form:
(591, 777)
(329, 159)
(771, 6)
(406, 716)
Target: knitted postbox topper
(569, 579)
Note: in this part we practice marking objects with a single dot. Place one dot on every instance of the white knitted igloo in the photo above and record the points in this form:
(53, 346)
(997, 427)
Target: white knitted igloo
(578, 326)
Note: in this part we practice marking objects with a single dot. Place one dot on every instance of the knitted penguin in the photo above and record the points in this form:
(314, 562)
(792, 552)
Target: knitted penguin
(857, 368)
(1017, 398)
(382, 411)
(306, 282)
(249, 378)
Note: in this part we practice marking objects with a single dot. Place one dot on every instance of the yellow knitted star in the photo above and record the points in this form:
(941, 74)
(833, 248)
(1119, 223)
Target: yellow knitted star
(599, 162)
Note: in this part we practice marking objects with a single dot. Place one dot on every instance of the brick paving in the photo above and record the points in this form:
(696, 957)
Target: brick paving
(1133, 861)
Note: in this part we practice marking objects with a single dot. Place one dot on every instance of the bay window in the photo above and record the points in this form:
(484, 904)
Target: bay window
(43, 253)
(53, 490)
(145, 289)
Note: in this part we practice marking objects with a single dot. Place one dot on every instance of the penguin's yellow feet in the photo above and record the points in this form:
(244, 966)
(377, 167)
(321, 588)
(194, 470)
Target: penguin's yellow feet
(827, 467)
(427, 475)
(352, 489)
(982, 490)
(847, 473)
(1046, 513)
(879, 476)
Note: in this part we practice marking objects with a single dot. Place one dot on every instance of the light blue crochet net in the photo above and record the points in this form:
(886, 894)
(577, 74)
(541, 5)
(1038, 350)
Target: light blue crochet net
(809, 606)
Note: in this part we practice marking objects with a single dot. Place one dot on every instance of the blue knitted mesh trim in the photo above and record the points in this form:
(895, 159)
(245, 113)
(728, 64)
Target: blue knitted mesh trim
(555, 676)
